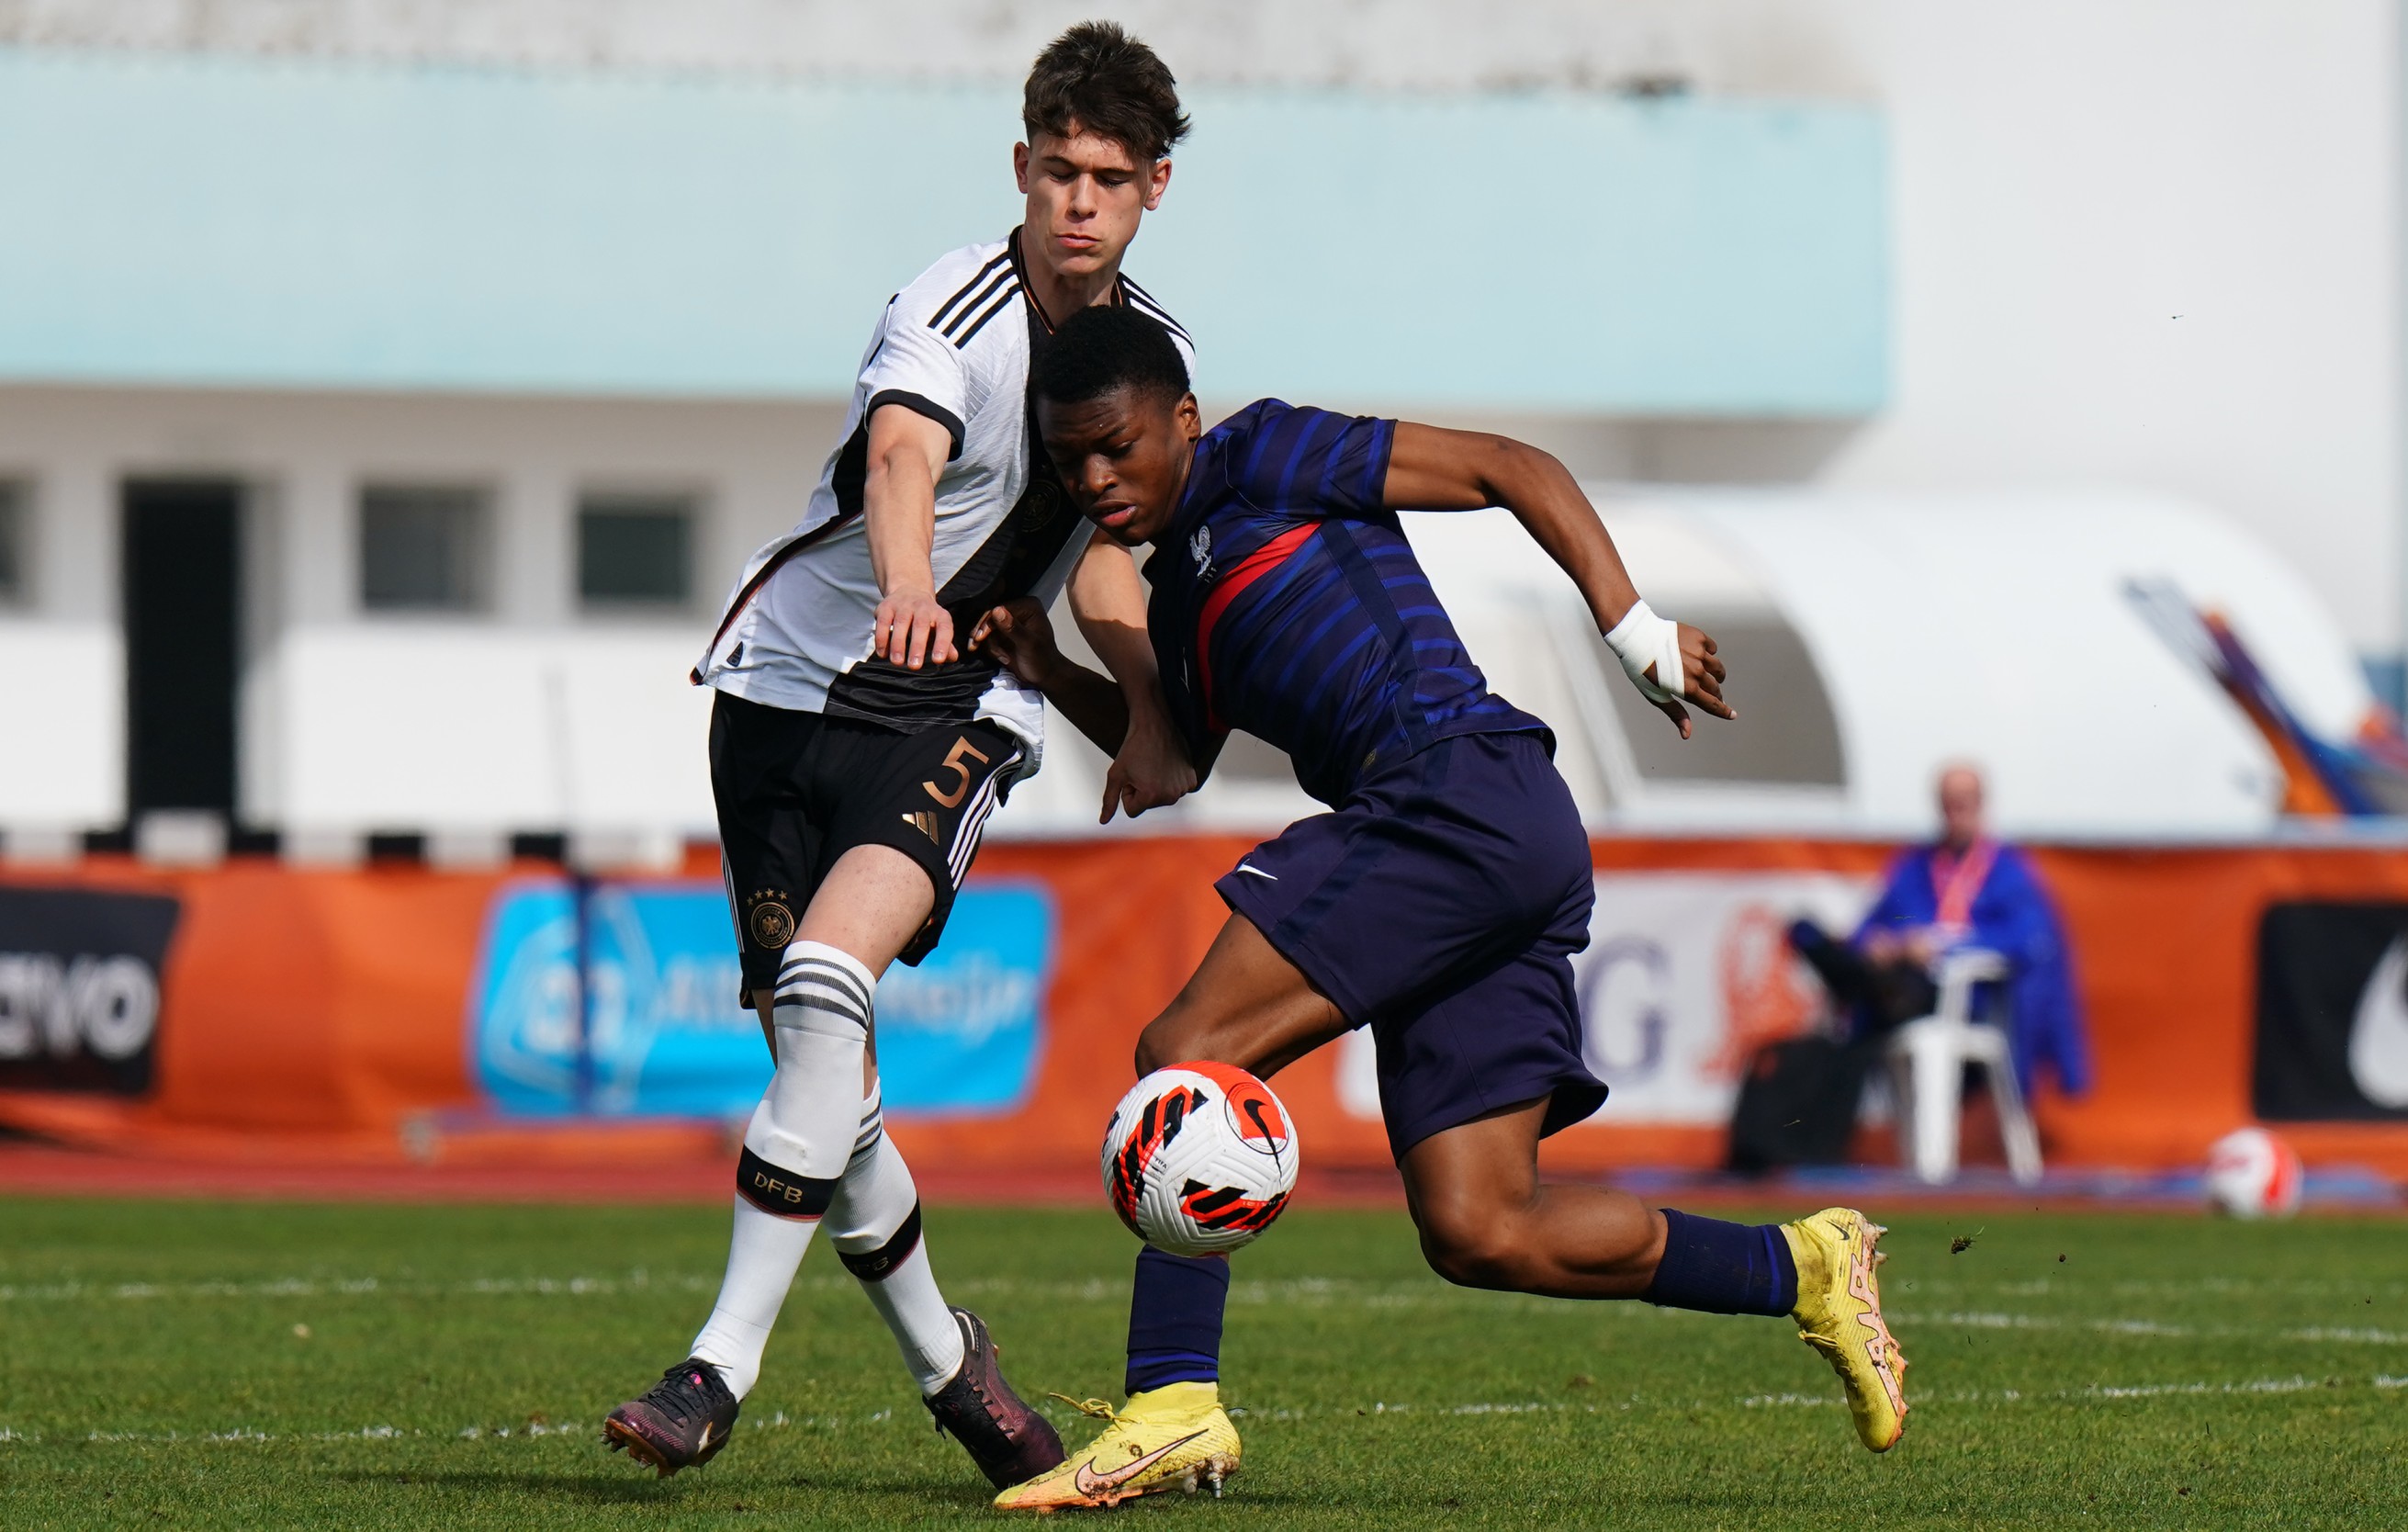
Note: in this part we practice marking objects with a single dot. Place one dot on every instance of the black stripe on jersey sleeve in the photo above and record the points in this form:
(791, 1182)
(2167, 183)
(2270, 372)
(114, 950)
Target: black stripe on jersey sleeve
(919, 404)
(1148, 306)
(996, 308)
(1152, 304)
(1000, 278)
(938, 317)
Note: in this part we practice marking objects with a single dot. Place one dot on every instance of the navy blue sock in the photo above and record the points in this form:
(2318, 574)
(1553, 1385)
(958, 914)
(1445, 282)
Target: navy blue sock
(1175, 1309)
(1724, 1268)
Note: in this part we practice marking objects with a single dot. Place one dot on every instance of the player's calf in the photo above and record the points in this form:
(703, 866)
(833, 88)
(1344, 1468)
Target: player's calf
(1477, 1249)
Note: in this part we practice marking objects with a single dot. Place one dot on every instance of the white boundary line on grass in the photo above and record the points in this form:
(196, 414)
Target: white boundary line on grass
(780, 1420)
(1977, 1320)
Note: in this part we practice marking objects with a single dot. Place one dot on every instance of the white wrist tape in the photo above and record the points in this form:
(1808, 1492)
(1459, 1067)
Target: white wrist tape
(1641, 640)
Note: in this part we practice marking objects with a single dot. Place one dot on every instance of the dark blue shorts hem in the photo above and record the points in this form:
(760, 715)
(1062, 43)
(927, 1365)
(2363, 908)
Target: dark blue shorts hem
(1569, 1100)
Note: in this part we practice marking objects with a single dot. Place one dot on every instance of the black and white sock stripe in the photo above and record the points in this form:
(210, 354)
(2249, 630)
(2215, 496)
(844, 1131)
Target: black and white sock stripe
(873, 1126)
(973, 819)
(814, 983)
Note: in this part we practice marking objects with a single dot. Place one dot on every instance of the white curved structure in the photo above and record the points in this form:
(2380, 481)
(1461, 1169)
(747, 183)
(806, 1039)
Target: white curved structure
(1872, 639)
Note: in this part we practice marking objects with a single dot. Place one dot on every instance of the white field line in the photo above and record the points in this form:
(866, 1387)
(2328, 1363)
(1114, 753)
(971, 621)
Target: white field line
(304, 1287)
(1294, 1290)
(2148, 1327)
(2089, 1391)
(1094, 1288)
(1309, 1292)
(782, 1420)
(531, 1429)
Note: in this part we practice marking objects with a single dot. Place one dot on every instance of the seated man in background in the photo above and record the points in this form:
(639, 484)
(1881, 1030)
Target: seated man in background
(1968, 891)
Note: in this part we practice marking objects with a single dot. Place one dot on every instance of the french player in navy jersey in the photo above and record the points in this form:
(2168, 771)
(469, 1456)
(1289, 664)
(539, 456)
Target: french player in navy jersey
(1440, 900)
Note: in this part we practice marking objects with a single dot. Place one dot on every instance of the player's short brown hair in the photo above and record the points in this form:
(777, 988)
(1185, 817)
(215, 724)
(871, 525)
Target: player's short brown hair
(1097, 78)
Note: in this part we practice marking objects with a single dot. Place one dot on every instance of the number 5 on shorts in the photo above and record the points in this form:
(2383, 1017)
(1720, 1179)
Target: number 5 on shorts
(953, 764)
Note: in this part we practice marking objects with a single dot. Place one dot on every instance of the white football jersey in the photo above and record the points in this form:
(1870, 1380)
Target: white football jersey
(955, 347)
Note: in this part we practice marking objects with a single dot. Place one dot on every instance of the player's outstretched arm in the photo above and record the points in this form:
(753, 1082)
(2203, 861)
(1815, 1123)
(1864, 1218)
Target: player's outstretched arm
(1430, 468)
(906, 451)
(1151, 769)
(1020, 634)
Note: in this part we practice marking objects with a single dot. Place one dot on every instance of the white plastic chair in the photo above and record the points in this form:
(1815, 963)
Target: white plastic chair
(1927, 1059)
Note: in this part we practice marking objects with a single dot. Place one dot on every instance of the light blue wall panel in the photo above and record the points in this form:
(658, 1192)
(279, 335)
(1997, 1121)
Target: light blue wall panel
(174, 220)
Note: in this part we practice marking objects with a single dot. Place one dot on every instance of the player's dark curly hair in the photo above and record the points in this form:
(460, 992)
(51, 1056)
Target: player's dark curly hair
(1103, 350)
(1098, 77)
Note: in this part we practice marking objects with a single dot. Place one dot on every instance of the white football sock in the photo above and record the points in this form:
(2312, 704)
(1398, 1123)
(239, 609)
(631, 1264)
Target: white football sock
(795, 1150)
(875, 1221)
(762, 1258)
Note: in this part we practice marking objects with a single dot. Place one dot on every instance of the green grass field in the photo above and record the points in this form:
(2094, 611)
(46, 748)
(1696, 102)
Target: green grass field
(195, 1365)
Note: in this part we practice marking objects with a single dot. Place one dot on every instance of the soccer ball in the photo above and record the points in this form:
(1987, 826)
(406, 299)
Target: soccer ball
(2253, 1174)
(1200, 1158)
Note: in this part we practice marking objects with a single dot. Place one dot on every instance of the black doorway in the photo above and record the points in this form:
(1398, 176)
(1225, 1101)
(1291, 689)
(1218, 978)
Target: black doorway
(184, 643)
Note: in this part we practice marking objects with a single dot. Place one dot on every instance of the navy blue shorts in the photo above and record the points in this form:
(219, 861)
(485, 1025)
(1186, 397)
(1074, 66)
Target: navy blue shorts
(1440, 904)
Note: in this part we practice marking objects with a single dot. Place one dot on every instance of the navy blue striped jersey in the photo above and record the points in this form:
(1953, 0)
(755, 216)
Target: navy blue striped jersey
(1287, 603)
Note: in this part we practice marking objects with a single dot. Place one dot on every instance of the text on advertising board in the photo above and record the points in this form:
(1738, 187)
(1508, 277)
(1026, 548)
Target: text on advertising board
(960, 1034)
(79, 987)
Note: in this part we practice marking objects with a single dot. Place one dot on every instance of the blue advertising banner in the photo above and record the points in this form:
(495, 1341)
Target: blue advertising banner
(958, 1035)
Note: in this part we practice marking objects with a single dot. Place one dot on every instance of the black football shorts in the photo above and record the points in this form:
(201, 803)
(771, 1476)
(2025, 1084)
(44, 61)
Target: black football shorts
(798, 790)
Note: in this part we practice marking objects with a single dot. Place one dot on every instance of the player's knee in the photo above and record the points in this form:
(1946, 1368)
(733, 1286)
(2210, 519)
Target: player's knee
(1170, 1038)
(1473, 1247)
(1156, 1048)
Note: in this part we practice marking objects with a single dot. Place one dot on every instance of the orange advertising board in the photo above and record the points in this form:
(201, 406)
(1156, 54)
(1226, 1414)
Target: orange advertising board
(329, 1013)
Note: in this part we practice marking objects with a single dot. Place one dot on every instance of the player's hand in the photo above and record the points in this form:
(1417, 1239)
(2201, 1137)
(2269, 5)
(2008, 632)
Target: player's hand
(1151, 771)
(913, 629)
(1701, 681)
(1021, 637)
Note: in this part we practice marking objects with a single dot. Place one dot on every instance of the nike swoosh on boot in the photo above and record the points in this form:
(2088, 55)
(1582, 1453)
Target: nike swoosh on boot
(1096, 1483)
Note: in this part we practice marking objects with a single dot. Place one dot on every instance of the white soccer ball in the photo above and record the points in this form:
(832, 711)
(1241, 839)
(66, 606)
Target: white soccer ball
(1200, 1158)
(2253, 1174)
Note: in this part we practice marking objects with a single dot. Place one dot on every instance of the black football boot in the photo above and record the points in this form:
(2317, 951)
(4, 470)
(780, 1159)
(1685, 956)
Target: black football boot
(681, 1422)
(1009, 1442)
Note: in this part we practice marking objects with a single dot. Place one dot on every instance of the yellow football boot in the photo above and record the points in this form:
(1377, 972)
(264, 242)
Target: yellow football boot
(1175, 1437)
(1839, 1314)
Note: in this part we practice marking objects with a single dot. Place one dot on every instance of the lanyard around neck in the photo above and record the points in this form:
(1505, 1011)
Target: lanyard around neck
(1957, 880)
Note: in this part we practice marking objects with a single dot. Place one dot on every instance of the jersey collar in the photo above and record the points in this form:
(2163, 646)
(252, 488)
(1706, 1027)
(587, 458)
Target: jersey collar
(1043, 321)
(1192, 499)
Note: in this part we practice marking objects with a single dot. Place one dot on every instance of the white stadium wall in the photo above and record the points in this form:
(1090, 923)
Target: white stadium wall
(2066, 179)
(529, 714)
(2068, 176)
(2143, 245)
(61, 710)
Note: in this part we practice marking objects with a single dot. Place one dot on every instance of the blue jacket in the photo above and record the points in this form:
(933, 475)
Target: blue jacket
(2012, 916)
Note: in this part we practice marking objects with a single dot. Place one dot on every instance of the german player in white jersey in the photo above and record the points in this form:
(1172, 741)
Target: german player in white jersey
(858, 744)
